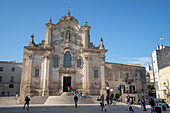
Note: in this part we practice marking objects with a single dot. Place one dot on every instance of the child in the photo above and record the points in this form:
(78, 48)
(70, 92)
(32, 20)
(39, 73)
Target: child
(131, 110)
(105, 108)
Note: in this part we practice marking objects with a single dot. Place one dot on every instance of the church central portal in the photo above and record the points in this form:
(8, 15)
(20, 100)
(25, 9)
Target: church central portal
(66, 83)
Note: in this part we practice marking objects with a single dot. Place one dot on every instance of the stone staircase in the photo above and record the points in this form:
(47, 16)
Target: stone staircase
(65, 98)
(7, 100)
(57, 100)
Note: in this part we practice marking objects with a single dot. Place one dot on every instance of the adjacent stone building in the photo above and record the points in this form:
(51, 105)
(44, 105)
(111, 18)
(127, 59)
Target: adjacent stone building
(10, 77)
(161, 63)
(67, 58)
(128, 78)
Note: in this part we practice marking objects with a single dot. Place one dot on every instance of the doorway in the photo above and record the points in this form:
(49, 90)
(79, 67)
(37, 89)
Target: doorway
(66, 83)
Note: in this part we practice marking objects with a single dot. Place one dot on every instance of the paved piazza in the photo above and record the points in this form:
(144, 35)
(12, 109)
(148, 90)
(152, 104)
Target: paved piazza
(119, 108)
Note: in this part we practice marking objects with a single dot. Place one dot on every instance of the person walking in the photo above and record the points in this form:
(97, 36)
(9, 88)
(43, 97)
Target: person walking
(152, 103)
(26, 102)
(75, 100)
(143, 103)
(110, 100)
(102, 98)
(102, 105)
(107, 99)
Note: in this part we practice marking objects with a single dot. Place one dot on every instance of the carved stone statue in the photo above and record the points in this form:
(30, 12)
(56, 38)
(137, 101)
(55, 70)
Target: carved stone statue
(68, 36)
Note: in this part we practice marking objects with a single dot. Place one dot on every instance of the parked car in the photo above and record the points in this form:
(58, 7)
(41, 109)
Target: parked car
(161, 103)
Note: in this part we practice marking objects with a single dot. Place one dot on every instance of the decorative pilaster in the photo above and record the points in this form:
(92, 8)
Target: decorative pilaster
(45, 80)
(29, 74)
(86, 83)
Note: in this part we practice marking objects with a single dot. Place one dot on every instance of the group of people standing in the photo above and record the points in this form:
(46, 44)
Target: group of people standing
(109, 101)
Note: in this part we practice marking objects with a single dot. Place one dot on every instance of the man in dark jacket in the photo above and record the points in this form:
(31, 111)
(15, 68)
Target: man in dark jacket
(75, 100)
(26, 103)
(152, 103)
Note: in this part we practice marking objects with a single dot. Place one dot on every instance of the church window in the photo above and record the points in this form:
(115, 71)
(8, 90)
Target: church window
(55, 62)
(67, 59)
(95, 73)
(78, 62)
(36, 72)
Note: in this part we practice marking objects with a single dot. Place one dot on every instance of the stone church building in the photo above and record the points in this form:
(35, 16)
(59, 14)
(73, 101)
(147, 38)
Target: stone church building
(67, 58)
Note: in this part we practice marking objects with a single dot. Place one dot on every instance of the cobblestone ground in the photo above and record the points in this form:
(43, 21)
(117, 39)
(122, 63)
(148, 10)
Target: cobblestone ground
(119, 108)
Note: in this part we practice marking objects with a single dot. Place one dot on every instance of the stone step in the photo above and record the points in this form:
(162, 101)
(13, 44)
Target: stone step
(67, 94)
(70, 100)
(38, 99)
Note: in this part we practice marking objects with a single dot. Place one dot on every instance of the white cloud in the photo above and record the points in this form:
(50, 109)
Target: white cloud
(139, 60)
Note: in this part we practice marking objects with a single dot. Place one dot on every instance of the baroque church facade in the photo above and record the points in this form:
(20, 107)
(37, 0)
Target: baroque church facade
(67, 58)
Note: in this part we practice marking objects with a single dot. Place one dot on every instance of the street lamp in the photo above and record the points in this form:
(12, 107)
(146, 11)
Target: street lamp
(108, 91)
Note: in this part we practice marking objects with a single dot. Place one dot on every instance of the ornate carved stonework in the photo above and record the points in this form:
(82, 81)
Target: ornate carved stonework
(67, 70)
(68, 18)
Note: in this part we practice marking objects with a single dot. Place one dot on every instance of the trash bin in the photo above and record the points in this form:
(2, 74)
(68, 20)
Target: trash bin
(158, 109)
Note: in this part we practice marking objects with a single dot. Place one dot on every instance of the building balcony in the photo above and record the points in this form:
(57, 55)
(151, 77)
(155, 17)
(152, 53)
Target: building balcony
(129, 80)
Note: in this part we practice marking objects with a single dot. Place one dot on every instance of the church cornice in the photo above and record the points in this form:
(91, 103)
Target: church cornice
(94, 50)
(39, 49)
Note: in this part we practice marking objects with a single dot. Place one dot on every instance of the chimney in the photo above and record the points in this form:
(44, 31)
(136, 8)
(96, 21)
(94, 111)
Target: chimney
(158, 47)
(161, 47)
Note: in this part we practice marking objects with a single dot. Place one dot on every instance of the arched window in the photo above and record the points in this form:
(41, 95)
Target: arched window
(67, 59)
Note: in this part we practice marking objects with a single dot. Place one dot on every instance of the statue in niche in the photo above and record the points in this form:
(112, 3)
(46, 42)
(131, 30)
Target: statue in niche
(62, 34)
(74, 37)
(68, 36)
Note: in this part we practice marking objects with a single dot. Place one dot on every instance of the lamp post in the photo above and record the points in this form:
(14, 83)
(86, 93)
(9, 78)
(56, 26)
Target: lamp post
(108, 91)
(111, 90)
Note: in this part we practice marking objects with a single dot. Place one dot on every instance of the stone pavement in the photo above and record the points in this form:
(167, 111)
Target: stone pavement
(69, 108)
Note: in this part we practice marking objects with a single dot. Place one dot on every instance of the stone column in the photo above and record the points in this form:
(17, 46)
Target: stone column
(86, 82)
(103, 80)
(45, 74)
(29, 75)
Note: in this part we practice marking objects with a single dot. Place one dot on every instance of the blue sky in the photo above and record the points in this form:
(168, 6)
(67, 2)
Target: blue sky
(131, 29)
